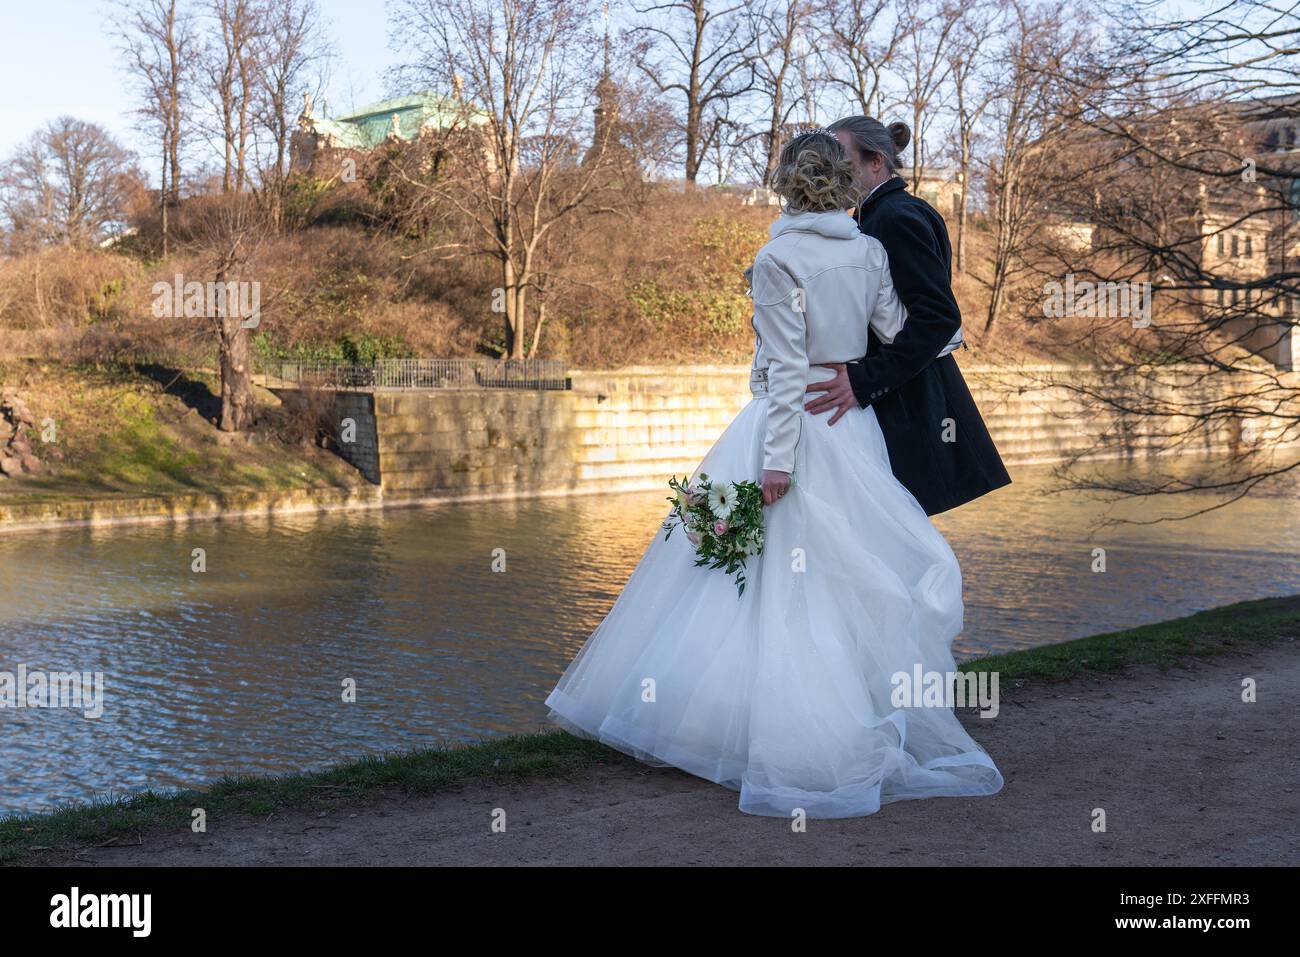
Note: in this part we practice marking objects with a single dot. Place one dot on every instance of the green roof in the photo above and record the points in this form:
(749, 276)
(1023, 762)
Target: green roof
(369, 126)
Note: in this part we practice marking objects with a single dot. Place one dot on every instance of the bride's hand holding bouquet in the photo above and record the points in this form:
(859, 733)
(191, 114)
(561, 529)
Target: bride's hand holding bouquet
(723, 520)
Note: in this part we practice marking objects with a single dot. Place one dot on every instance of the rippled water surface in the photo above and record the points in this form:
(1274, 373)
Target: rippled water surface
(240, 669)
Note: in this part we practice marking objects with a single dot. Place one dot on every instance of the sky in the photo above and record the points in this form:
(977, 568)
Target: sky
(60, 58)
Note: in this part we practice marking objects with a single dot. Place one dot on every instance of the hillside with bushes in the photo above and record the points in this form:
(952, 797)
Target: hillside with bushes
(665, 285)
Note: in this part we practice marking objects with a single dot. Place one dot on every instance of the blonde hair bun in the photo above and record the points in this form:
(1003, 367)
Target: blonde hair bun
(814, 173)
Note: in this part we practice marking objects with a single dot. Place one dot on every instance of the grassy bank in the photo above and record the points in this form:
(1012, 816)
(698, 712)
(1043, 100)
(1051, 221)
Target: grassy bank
(1234, 629)
(111, 432)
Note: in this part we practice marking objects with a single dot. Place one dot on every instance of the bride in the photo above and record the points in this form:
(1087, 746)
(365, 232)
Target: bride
(786, 693)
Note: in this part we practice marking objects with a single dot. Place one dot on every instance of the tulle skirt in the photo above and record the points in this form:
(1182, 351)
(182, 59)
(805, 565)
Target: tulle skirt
(787, 694)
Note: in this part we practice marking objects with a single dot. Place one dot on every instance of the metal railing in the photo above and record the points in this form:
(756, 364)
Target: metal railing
(421, 374)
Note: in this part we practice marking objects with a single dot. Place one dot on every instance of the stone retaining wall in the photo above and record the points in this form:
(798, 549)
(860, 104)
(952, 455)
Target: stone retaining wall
(632, 428)
(358, 438)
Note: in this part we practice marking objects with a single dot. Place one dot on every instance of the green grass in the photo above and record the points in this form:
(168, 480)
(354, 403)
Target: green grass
(120, 436)
(1238, 629)
(1231, 629)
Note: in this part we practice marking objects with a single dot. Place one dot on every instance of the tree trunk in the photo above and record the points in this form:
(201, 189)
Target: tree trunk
(773, 153)
(537, 330)
(520, 298)
(1001, 260)
(36, 281)
(512, 292)
(226, 177)
(236, 376)
(692, 144)
(162, 202)
(963, 209)
(916, 148)
(241, 153)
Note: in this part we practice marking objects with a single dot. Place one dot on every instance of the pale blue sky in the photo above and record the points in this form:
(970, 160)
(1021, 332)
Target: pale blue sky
(59, 57)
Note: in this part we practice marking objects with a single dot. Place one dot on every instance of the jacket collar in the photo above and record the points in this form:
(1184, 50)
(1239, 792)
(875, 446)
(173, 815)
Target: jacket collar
(834, 224)
(891, 185)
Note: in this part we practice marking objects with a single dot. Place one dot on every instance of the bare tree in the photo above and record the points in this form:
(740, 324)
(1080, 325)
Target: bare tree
(514, 166)
(292, 54)
(66, 185)
(704, 54)
(158, 43)
(859, 39)
(225, 234)
(924, 63)
(231, 81)
(1192, 182)
(1026, 118)
(779, 30)
(973, 90)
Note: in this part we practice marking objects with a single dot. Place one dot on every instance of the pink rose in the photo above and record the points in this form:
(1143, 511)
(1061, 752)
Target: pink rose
(720, 527)
(692, 538)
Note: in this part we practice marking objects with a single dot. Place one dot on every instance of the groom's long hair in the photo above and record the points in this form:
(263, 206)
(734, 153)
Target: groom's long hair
(869, 135)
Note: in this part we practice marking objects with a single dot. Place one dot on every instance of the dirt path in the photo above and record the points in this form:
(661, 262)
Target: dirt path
(1186, 773)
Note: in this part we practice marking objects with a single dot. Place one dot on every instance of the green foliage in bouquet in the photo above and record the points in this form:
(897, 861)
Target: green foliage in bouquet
(723, 520)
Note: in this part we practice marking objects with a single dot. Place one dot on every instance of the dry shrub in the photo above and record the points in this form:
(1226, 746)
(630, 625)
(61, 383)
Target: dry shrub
(664, 286)
(662, 283)
(62, 288)
(324, 285)
(303, 416)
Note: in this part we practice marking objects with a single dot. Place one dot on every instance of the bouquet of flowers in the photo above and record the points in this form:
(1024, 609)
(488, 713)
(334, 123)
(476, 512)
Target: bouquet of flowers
(723, 520)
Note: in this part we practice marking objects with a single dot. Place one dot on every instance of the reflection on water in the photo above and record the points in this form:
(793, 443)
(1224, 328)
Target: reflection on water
(241, 669)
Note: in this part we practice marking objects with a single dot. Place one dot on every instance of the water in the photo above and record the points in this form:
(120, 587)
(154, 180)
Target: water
(241, 669)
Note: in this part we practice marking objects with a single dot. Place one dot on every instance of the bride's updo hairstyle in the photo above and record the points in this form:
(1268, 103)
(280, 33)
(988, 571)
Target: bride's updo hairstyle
(814, 174)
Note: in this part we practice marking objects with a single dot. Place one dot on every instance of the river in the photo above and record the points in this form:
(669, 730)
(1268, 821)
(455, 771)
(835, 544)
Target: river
(241, 668)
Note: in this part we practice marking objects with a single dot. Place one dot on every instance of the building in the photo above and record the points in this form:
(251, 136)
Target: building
(401, 119)
(940, 187)
(1240, 246)
(1234, 238)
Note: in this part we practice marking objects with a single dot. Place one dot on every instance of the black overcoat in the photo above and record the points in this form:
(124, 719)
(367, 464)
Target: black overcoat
(939, 447)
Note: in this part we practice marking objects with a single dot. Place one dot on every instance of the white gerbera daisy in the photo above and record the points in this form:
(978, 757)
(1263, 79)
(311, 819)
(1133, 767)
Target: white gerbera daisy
(722, 499)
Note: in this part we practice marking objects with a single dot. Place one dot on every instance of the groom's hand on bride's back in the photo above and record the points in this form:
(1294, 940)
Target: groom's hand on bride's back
(837, 393)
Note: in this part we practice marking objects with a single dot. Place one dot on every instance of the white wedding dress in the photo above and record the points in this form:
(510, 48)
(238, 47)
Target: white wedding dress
(785, 693)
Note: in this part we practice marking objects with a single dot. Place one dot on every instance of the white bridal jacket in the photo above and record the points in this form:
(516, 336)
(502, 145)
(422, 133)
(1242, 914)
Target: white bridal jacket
(812, 285)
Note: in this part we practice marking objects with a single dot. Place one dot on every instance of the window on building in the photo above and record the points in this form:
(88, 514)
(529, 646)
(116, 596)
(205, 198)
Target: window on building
(1236, 251)
(1220, 297)
(1249, 252)
(1220, 244)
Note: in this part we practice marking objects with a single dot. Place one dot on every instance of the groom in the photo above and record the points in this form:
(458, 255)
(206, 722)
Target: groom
(939, 448)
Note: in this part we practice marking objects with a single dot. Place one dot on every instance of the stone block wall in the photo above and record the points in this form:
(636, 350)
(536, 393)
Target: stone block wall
(356, 432)
(633, 428)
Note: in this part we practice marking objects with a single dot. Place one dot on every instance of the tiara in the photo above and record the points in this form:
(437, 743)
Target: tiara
(820, 129)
